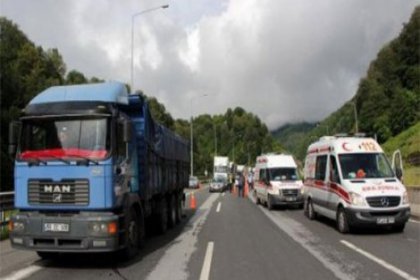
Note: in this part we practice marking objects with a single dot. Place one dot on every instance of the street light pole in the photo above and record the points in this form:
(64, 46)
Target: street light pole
(132, 38)
(191, 132)
(355, 116)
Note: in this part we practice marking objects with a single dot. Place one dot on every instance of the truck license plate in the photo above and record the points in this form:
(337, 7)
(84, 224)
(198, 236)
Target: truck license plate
(385, 220)
(55, 227)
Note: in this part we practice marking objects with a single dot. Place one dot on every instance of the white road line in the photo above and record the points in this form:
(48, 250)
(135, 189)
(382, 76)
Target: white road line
(414, 221)
(205, 270)
(218, 207)
(23, 273)
(379, 261)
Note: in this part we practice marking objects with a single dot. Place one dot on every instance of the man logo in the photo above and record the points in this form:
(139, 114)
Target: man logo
(57, 197)
(384, 202)
(57, 189)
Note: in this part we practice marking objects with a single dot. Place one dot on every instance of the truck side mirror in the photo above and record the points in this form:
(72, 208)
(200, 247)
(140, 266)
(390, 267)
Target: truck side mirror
(127, 131)
(14, 128)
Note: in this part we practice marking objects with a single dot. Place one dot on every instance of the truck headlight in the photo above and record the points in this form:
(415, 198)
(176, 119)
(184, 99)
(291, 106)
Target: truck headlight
(103, 228)
(16, 226)
(405, 198)
(357, 199)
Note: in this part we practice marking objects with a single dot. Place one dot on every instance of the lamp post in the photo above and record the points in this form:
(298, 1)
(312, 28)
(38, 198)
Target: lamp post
(191, 134)
(355, 116)
(133, 16)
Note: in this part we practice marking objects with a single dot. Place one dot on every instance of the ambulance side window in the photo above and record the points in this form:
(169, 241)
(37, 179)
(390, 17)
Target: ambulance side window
(321, 164)
(334, 177)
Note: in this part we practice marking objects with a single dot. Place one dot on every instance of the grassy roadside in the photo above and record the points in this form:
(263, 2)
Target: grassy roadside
(412, 176)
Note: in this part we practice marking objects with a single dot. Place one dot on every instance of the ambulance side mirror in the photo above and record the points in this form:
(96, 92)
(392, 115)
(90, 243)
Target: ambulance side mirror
(398, 173)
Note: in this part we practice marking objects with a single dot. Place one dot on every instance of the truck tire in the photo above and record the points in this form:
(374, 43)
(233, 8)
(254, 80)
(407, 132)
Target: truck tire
(257, 199)
(172, 211)
(162, 217)
(132, 235)
(178, 208)
(342, 222)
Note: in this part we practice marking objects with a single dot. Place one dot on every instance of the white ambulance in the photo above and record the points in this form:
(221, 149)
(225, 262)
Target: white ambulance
(276, 181)
(349, 180)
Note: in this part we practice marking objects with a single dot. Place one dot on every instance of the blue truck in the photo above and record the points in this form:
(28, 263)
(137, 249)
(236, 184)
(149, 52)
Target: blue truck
(92, 171)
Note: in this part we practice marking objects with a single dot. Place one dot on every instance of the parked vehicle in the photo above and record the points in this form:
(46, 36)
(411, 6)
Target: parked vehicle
(276, 181)
(349, 180)
(218, 184)
(194, 183)
(220, 167)
(93, 189)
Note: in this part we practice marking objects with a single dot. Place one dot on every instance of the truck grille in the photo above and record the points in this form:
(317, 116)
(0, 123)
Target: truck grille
(383, 201)
(72, 192)
(289, 192)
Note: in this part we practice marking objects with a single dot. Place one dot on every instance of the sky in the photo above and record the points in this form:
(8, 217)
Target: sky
(283, 60)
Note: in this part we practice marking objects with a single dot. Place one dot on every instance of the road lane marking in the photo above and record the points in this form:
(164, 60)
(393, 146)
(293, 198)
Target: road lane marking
(23, 273)
(174, 263)
(329, 257)
(205, 270)
(218, 207)
(379, 261)
(414, 221)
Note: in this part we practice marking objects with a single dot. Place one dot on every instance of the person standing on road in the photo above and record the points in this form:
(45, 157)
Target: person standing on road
(250, 180)
(241, 183)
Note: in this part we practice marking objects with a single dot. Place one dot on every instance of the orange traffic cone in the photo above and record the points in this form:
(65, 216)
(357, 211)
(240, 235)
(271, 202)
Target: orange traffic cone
(193, 202)
(246, 190)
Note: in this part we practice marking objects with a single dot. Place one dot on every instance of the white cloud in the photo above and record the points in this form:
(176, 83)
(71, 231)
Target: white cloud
(286, 60)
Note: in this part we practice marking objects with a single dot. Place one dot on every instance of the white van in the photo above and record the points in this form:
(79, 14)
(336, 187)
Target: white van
(276, 181)
(349, 180)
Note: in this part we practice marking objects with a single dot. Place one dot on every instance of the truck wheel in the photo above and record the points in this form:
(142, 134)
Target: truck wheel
(47, 255)
(132, 236)
(311, 211)
(172, 211)
(162, 218)
(178, 208)
(257, 199)
(269, 203)
(342, 222)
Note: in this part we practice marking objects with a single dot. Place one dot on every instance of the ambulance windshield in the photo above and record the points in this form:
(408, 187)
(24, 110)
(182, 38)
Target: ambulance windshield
(282, 174)
(365, 165)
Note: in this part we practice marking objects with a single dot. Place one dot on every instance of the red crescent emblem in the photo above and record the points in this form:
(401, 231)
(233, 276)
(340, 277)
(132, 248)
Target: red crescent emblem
(345, 148)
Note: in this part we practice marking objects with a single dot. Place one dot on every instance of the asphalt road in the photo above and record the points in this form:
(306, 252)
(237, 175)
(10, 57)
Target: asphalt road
(227, 237)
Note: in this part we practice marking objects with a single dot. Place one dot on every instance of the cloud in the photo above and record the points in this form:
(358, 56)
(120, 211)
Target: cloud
(285, 61)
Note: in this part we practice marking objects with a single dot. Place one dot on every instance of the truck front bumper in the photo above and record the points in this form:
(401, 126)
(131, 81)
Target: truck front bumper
(64, 232)
(286, 200)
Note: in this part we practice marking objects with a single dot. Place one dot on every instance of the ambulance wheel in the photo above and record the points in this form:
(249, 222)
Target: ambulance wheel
(310, 210)
(342, 222)
(398, 228)
(47, 255)
(269, 203)
(257, 199)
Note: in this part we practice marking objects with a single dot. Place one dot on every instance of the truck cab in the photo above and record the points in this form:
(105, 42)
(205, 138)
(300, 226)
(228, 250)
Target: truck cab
(349, 180)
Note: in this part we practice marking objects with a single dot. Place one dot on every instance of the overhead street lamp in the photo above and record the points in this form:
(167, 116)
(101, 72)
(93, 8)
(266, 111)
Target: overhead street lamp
(133, 16)
(191, 132)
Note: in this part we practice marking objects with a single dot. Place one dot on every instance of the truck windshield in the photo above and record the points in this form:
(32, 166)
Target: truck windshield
(282, 174)
(52, 139)
(220, 169)
(366, 165)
